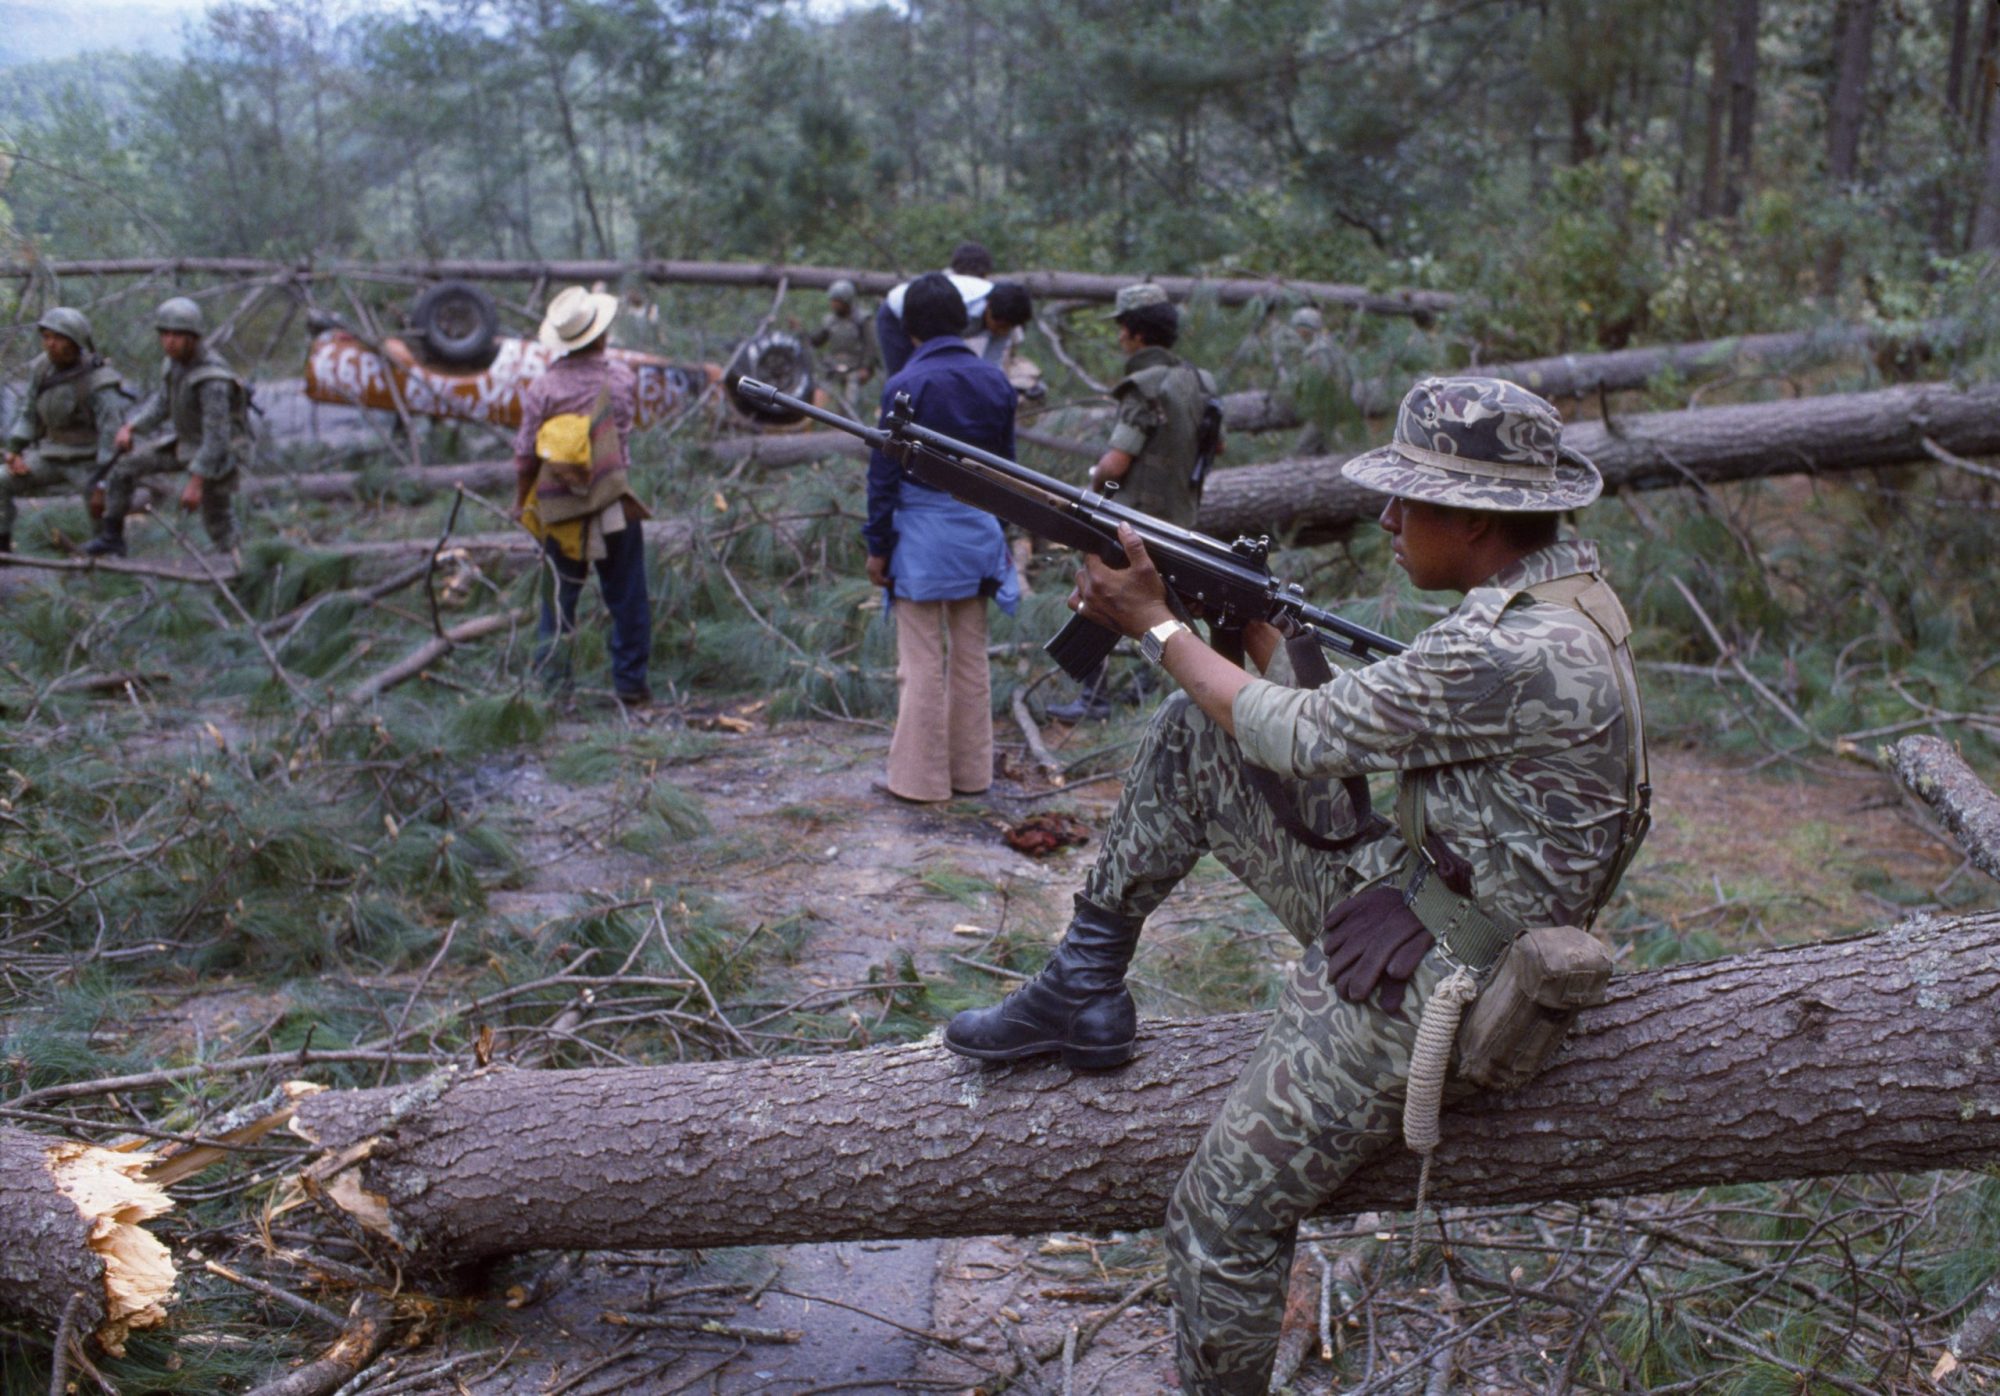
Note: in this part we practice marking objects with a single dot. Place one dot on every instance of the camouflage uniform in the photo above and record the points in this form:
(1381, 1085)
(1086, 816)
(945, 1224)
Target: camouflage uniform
(1507, 714)
(68, 420)
(208, 407)
(1509, 724)
(1159, 412)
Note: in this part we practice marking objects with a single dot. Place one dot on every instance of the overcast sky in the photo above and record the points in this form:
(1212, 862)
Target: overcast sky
(35, 30)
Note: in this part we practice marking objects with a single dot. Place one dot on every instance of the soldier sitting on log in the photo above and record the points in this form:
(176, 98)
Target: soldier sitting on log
(206, 404)
(65, 436)
(1514, 728)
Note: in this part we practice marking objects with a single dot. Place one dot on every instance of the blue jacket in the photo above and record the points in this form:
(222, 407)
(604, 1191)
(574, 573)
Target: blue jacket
(938, 548)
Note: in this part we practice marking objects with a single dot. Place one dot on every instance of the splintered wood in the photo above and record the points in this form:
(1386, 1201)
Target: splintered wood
(72, 1223)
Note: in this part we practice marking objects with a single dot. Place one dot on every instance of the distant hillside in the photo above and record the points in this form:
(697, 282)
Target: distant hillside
(41, 31)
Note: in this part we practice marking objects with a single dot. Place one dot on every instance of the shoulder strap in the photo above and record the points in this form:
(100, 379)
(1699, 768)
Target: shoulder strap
(1590, 596)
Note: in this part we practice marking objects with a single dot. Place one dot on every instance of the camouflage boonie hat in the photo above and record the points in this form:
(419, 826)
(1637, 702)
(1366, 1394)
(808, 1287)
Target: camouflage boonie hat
(1137, 297)
(1308, 318)
(842, 290)
(179, 313)
(71, 325)
(1479, 443)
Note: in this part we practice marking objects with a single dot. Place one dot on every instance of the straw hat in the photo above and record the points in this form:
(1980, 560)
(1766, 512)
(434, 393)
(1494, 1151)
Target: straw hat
(1479, 443)
(576, 317)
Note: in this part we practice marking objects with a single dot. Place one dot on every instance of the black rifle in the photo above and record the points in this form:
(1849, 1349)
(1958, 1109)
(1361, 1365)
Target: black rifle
(1229, 584)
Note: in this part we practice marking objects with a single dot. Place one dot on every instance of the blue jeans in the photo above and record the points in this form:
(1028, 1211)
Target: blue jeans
(621, 578)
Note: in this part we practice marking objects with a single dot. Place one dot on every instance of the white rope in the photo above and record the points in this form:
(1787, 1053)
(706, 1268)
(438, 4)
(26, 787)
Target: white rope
(1430, 1064)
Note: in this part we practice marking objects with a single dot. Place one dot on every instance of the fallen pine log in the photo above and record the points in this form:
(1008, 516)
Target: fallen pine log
(1868, 1054)
(1570, 376)
(71, 1233)
(1846, 431)
(1059, 285)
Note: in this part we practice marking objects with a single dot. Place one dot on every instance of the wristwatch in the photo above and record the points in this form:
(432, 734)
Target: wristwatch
(1153, 644)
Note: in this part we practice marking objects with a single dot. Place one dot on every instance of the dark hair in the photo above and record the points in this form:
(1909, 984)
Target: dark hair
(971, 259)
(1523, 530)
(1008, 303)
(1159, 323)
(932, 306)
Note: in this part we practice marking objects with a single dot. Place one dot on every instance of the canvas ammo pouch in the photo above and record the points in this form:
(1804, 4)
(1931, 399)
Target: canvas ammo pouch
(1520, 1018)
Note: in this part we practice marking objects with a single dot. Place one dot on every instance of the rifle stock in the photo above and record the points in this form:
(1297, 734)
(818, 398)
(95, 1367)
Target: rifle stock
(1228, 584)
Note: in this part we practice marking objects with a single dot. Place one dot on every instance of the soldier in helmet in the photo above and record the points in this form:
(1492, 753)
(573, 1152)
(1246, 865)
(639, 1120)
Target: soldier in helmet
(846, 343)
(207, 406)
(65, 435)
(1314, 377)
(1156, 441)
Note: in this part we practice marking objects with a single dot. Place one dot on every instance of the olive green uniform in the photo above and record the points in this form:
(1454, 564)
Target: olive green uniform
(207, 407)
(1508, 715)
(65, 431)
(1160, 399)
(846, 347)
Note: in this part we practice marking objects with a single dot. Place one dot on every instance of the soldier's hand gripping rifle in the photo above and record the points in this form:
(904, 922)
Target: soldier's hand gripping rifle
(1227, 584)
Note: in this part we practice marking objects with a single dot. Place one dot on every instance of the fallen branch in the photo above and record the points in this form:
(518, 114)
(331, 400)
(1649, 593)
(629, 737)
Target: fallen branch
(118, 565)
(1863, 1055)
(364, 1337)
(422, 657)
(1032, 734)
(1938, 776)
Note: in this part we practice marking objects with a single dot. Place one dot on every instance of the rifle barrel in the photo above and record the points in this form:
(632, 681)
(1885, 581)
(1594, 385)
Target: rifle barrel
(1170, 540)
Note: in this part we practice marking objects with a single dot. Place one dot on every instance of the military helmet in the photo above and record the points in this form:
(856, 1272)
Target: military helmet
(71, 325)
(180, 314)
(841, 290)
(1137, 297)
(1308, 318)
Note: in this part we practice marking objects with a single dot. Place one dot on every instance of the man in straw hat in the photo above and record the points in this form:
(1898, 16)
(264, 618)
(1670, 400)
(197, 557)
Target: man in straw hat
(1514, 729)
(573, 492)
(66, 433)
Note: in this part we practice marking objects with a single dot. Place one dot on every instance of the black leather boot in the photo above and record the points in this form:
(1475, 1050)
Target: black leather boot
(1078, 1005)
(109, 542)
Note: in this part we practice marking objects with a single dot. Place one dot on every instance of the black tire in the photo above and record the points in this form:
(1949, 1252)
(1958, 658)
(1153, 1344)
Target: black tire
(777, 358)
(456, 324)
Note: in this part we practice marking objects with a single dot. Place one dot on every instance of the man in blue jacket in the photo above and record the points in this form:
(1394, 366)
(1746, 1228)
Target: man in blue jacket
(939, 559)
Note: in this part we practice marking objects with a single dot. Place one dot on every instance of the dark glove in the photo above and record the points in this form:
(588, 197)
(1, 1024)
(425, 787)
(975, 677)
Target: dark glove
(1375, 941)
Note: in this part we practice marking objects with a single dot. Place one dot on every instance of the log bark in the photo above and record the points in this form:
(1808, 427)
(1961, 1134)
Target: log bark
(1569, 376)
(1055, 285)
(1852, 431)
(1867, 1054)
(1938, 776)
(70, 1225)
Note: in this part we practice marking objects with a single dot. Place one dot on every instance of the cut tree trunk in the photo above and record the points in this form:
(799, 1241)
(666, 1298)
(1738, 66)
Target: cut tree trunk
(1310, 499)
(1569, 376)
(1054, 285)
(1869, 1054)
(70, 1219)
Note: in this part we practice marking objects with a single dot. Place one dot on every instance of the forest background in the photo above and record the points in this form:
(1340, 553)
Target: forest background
(216, 851)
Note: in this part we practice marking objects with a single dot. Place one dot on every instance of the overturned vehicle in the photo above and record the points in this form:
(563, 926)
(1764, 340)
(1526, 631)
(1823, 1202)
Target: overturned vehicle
(454, 361)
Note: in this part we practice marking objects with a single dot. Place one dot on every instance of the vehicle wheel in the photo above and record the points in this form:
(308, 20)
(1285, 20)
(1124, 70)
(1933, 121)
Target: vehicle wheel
(777, 358)
(456, 324)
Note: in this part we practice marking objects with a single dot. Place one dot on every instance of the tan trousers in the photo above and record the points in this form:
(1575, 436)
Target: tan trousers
(944, 721)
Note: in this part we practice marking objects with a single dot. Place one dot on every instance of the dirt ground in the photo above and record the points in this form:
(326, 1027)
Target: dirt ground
(794, 827)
